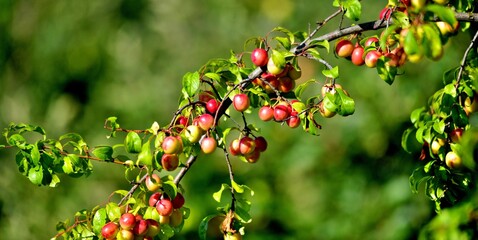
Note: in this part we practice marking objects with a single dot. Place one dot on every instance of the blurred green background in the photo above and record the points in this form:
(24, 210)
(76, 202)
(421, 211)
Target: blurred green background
(68, 65)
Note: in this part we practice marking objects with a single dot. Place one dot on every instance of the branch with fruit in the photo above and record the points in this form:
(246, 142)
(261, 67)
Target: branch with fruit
(267, 86)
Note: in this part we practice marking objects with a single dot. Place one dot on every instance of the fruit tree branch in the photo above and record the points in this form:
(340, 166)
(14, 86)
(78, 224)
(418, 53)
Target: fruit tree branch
(463, 61)
(185, 169)
(368, 26)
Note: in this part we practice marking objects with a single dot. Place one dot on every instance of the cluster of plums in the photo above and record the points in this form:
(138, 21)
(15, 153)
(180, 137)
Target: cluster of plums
(278, 76)
(394, 53)
(370, 52)
(131, 226)
(248, 147)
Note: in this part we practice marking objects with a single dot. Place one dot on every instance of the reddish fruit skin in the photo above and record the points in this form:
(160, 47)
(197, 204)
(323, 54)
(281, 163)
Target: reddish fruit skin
(212, 105)
(208, 145)
(406, 2)
(370, 41)
(176, 218)
(206, 96)
(153, 228)
(253, 156)
(154, 199)
(170, 162)
(241, 102)
(171, 145)
(344, 48)
(357, 56)
(385, 13)
(266, 113)
(206, 121)
(261, 143)
(272, 85)
(164, 207)
(392, 59)
(281, 113)
(246, 145)
(182, 121)
(286, 84)
(127, 221)
(109, 230)
(455, 134)
(259, 57)
(371, 58)
(453, 161)
(153, 182)
(125, 235)
(178, 201)
(293, 121)
(234, 147)
(140, 228)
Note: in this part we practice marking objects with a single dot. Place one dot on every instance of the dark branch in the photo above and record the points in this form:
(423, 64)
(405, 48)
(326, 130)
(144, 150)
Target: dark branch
(463, 61)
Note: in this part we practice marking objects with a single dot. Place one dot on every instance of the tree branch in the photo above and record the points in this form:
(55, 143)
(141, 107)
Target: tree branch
(463, 61)
(185, 169)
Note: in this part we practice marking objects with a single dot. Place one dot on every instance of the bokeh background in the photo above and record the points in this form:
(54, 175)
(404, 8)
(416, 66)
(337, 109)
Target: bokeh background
(68, 65)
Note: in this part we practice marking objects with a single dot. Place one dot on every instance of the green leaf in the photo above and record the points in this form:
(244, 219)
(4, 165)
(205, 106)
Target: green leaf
(99, 220)
(145, 157)
(314, 53)
(418, 176)
(439, 126)
(167, 232)
(191, 83)
(284, 42)
(203, 226)
(113, 211)
(331, 73)
(412, 45)
(17, 140)
(35, 154)
(55, 180)
(409, 143)
(419, 134)
(238, 188)
(278, 59)
(415, 116)
(103, 152)
(450, 90)
(170, 189)
(386, 72)
(35, 175)
(132, 142)
(353, 8)
(446, 14)
(218, 195)
(214, 76)
(243, 215)
(114, 125)
(400, 19)
(432, 42)
(318, 44)
(347, 104)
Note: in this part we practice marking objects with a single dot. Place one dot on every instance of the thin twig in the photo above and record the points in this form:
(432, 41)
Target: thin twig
(131, 191)
(463, 61)
(319, 26)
